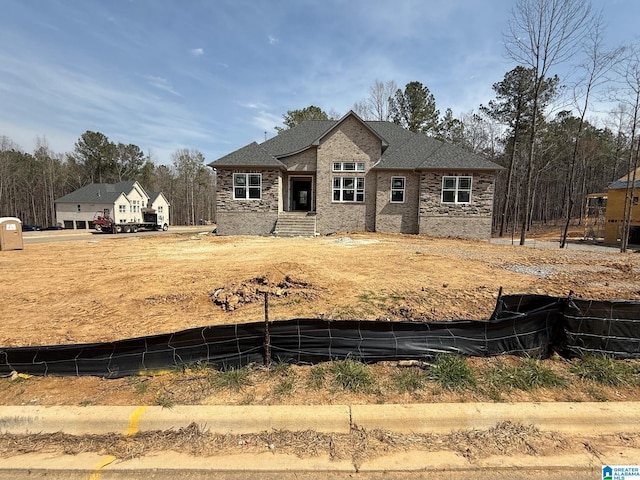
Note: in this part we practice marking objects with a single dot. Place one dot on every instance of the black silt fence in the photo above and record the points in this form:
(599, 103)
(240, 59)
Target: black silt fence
(533, 325)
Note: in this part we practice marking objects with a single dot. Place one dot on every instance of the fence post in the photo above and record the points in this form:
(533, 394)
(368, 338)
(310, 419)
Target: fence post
(267, 337)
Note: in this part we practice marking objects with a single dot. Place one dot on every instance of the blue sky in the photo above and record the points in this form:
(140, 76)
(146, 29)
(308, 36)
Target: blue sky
(214, 75)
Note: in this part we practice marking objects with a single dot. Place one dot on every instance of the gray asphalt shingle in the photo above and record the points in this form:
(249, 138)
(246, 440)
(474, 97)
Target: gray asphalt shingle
(405, 150)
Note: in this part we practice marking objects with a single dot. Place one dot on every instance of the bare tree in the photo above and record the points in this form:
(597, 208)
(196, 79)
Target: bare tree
(540, 35)
(630, 95)
(377, 105)
(595, 67)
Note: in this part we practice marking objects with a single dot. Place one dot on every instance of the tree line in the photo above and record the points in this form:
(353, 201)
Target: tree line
(31, 182)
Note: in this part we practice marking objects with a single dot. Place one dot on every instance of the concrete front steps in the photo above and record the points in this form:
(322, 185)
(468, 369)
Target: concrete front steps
(296, 224)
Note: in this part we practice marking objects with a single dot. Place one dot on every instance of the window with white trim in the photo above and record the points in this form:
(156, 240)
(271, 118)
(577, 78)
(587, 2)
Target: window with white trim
(348, 189)
(456, 190)
(122, 208)
(247, 186)
(397, 189)
(348, 166)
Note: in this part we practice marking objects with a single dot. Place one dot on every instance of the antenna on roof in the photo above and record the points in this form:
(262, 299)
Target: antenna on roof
(265, 135)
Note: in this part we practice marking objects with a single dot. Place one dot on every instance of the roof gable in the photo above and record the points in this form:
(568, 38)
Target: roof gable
(351, 114)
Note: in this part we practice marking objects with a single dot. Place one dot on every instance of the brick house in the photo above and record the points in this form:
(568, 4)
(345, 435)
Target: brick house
(326, 176)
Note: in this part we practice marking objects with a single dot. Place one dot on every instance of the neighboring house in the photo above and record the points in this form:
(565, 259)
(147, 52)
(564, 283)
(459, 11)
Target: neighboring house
(354, 175)
(124, 201)
(160, 204)
(614, 214)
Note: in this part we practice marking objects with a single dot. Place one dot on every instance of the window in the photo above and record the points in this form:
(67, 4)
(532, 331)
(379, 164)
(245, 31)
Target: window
(456, 189)
(122, 208)
(247, 186)
(397, 189)
(348, 189)
(160, 209)
(79, 209)
(348, 166)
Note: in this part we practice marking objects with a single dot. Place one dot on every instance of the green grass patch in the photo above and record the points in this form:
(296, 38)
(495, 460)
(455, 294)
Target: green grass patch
(408, 380)
(605, 370)
(232, 378)
(285, 386)
(317, 377)
(451, 372)
(529, 375)
(279, 369)
(352, 375)
(165, 401)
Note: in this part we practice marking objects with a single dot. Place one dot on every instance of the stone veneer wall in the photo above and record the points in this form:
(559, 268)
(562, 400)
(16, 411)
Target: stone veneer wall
(464, 221)
(248, 217)
(397, 217)
(349, 142)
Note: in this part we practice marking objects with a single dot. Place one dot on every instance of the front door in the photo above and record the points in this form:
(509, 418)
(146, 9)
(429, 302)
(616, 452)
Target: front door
(301, 195)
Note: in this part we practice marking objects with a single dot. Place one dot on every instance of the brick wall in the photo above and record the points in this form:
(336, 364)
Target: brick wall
(397, 217)
(349, 142)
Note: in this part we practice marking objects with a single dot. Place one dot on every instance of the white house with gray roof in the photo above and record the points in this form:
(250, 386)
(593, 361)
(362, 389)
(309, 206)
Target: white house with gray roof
(124, 200)
(328, 176)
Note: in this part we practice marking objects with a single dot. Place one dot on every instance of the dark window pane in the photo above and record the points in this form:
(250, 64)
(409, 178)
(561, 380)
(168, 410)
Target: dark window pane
(397, 196)
(448, 197)
(348, 195)
(464, 183)
(449, 183)
(254, 180)
(336, 195)
(463, 197)
(239, 180)
(240, 192)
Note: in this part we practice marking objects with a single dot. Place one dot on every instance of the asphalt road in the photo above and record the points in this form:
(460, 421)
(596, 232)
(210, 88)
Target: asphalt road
(53, 236)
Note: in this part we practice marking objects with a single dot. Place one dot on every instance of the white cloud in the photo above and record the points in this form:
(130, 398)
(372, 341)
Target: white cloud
(266, 122)
(197, 52)
(272, 40)
(161, 83)
(253, 106)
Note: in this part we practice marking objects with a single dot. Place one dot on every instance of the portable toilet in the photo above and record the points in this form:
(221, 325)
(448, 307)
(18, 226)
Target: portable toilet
(10, 233)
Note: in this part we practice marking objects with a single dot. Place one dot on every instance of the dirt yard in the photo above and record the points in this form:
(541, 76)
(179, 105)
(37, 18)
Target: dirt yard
(106, 288)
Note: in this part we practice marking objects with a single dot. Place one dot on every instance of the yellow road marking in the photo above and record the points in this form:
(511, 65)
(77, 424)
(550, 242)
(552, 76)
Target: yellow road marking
(98, 468)
(134, 421)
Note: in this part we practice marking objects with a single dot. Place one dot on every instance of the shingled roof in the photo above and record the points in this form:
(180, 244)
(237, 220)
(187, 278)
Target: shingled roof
(403, 150)
(253, 155)
(623, 181)
(97, 192)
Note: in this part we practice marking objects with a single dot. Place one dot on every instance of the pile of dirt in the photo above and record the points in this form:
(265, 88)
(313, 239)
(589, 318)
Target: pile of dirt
(235, 295)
